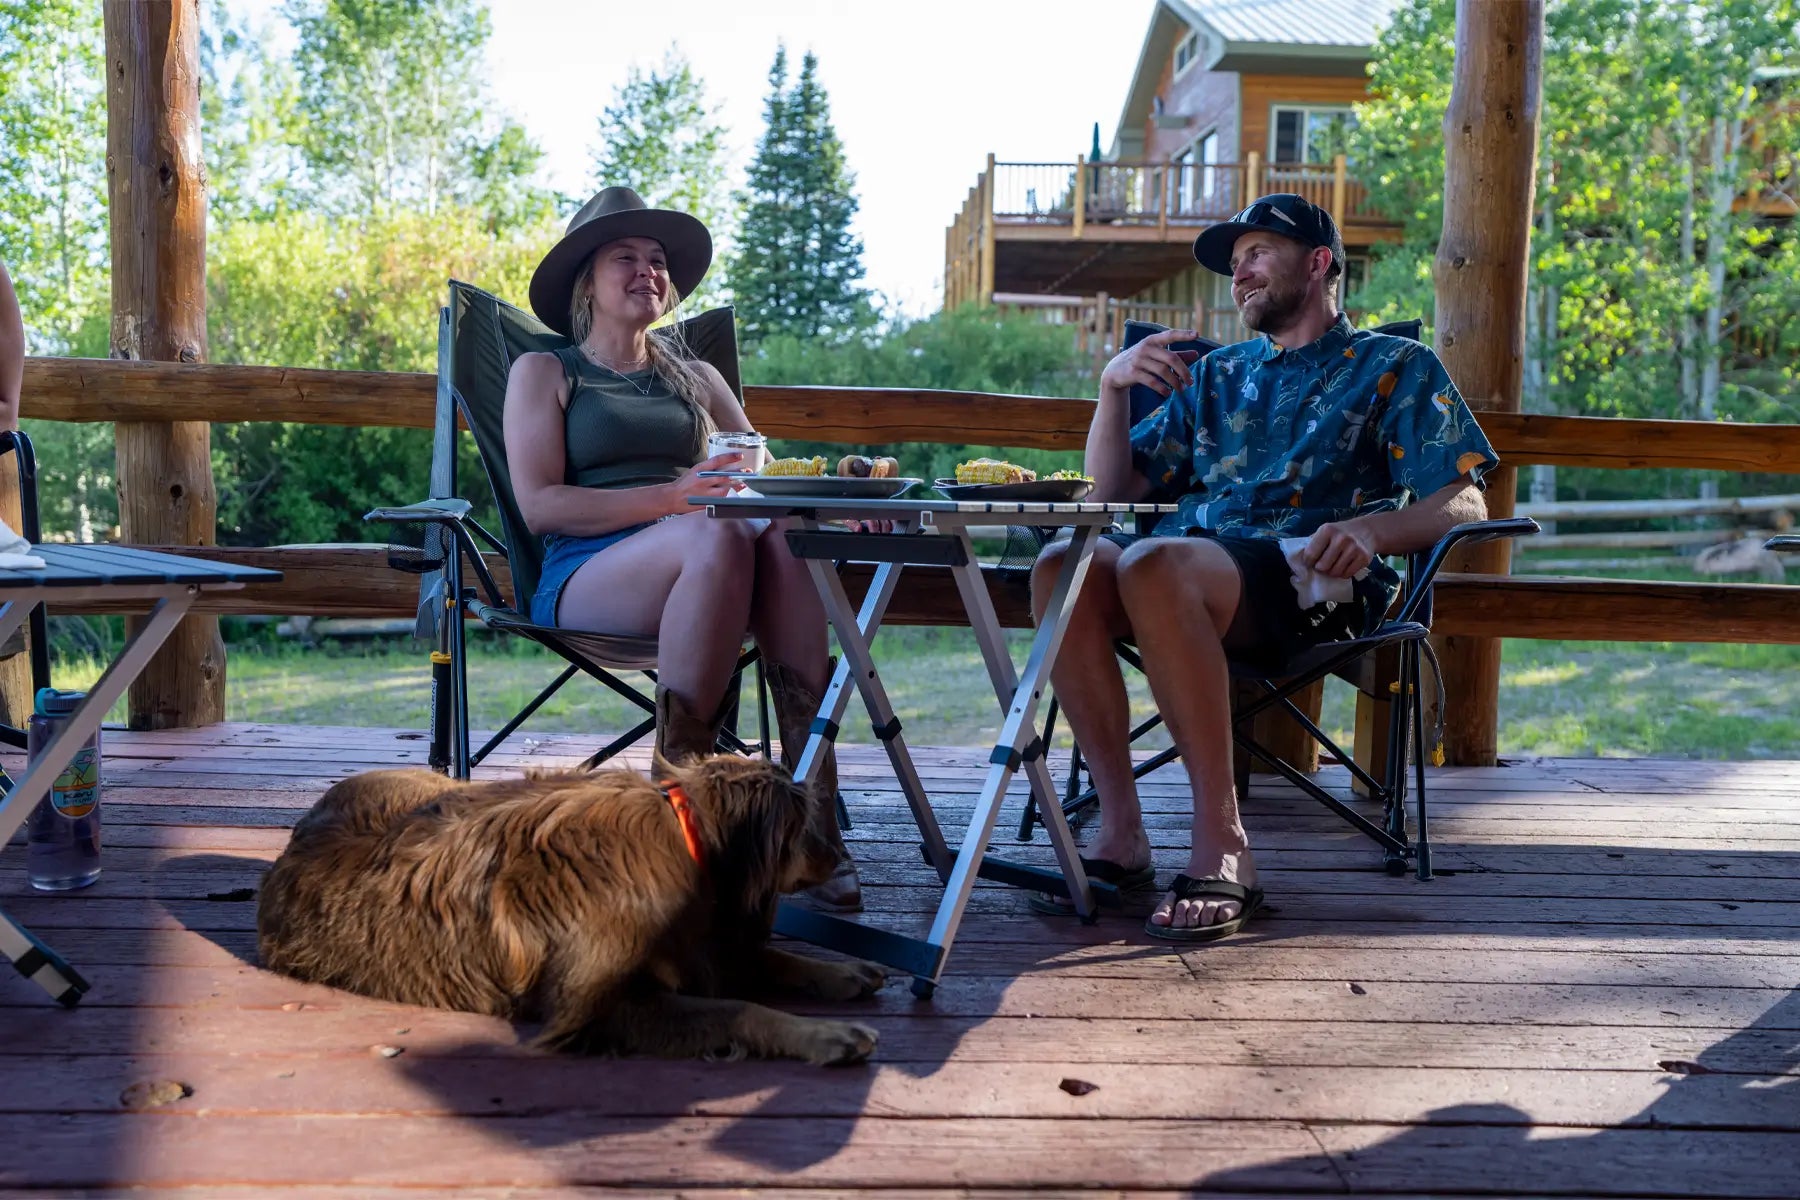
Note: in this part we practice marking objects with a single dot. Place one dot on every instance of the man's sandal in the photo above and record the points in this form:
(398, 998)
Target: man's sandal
(1186, 887)
(1104, 870)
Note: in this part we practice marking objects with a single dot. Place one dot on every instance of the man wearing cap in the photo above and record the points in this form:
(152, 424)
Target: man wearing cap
(1353, 445)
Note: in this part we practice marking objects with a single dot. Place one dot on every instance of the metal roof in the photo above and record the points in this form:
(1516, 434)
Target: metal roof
(1291, 22)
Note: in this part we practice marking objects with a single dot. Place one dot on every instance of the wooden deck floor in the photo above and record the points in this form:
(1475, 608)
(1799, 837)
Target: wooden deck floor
(1599, 995)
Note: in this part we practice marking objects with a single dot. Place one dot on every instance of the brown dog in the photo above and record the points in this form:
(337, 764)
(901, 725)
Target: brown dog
(582, 900)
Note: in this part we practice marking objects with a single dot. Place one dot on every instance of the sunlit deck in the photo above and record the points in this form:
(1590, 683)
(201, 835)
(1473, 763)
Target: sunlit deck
(1600, 994)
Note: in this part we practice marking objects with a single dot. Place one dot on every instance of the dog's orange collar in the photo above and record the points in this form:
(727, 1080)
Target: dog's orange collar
(684, 814)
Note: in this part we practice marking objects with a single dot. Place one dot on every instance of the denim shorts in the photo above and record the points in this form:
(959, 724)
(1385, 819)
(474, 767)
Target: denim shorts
(562, 558)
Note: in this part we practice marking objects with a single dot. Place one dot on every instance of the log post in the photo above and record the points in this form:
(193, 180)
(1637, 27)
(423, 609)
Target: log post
(156, 185)
(1490, 169)
(1253, 179)
(1339, 187)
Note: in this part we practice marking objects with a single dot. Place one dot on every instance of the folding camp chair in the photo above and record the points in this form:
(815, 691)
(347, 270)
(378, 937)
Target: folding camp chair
(1403, 635)
(479, 337)
(15, 442)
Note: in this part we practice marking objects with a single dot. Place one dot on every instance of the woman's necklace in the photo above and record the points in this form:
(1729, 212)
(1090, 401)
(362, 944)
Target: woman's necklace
(594, 356)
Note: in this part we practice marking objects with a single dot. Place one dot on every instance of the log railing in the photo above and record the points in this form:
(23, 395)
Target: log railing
(101, 390)
(354, 580)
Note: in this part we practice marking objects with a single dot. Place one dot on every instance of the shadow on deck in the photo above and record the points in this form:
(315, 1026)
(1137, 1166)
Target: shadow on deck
(1600, 994)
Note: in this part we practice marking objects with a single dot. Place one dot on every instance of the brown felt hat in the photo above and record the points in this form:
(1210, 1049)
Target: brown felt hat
(617, 212)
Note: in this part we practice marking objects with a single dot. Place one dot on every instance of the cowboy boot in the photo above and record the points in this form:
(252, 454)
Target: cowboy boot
(795, 708)
(680, 735)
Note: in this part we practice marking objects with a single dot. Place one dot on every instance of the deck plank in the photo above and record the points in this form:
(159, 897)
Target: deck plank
(1599, 994)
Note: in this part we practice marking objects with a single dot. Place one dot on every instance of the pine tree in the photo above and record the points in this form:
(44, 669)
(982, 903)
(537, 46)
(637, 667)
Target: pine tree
(799, 268)
(661, 138)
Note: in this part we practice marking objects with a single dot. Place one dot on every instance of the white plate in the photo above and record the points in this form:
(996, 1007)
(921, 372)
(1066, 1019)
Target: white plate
(836, 487)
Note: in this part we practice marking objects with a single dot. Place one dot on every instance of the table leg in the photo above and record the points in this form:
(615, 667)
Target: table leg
(853, 633)
(1028, 748)
(25, 951)
(1010, 752)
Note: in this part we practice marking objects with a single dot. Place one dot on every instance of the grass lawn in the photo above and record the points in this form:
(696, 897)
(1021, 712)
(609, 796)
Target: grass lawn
(1556, 698)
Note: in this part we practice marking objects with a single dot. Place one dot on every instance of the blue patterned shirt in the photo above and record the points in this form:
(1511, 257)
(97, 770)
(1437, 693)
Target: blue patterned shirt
(1273, 442)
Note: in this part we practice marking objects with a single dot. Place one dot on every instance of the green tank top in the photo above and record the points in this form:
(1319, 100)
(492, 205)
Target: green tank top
(615, 435)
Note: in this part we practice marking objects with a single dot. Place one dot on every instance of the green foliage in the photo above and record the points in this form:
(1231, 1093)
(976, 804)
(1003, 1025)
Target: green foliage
(53, 230)
(391, 110)
(1652, 291)
(799, 268)
(299, 289)
(662, 138)
(970, 349)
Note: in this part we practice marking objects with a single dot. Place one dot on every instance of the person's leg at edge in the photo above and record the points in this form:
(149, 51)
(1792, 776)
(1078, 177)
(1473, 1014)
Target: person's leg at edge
(1180, 596)
(1090, 688)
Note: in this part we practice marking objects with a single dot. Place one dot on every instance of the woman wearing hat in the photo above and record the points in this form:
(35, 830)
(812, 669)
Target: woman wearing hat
(606, 441)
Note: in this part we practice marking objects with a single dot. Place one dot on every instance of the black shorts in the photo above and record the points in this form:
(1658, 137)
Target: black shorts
(1270, 627)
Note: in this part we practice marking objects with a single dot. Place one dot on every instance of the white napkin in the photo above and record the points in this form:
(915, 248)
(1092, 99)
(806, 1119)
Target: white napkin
(15, 552)
(1312, 587)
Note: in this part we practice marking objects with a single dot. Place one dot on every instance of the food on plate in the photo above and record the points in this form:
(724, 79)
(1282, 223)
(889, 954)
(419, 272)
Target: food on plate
(993, 470)
(1070, 475)
(861, 466)
(794, 466)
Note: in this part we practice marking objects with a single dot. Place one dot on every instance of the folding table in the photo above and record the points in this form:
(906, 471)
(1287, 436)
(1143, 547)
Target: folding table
(936, 533)
(72, 575)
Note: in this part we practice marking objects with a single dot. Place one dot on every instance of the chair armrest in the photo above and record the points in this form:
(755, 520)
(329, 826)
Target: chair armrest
(1418, 587)
(1787, 543)
(451, 511)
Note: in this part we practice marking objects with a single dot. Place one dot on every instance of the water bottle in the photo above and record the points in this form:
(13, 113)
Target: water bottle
(63, 842)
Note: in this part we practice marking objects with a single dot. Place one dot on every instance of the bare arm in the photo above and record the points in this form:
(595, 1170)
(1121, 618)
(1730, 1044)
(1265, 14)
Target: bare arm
(1108, 457)
(535, 452)
(1345, 547)
(12, 352)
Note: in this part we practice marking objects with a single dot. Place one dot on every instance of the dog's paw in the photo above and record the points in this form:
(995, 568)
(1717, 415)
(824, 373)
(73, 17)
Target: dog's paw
(836, 1043)
(869, 978)
(845, 980)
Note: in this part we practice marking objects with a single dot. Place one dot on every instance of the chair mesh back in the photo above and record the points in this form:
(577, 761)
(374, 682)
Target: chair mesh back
(487, 336)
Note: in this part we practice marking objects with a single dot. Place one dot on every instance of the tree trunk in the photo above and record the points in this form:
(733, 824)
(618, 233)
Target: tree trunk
(157, 189)
(1483, 260)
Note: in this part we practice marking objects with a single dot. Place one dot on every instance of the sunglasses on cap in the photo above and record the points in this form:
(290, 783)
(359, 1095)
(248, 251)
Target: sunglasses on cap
(1266, 208)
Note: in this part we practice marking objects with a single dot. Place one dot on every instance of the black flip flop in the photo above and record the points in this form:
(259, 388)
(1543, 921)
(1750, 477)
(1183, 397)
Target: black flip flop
(1102, 869)
(1186, 887)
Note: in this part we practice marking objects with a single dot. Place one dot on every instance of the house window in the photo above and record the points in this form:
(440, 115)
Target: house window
(1199, 188)
(1187, 51)
(1309, 135)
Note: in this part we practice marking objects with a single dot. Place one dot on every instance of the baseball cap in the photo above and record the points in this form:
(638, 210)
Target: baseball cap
(1285, 213)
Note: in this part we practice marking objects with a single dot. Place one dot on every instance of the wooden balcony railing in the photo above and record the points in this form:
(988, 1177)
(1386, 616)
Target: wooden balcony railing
(1126, 195)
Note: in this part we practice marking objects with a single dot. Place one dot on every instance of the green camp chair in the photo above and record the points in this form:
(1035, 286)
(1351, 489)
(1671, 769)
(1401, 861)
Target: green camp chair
(479, 338)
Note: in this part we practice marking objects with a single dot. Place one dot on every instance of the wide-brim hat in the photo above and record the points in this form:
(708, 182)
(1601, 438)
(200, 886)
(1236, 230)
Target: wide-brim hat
(617, 212)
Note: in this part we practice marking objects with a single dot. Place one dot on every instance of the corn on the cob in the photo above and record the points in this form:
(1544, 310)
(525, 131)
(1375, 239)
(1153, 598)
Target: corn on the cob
(992, 470)
(794, 466)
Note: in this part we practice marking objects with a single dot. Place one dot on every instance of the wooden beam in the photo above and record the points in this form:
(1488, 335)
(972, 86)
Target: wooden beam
(98, 389)
(986, 295)
(1080, 195)
(156, 186)
(1490, 164)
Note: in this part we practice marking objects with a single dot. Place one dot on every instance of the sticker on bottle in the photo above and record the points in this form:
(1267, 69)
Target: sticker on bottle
(76, 792)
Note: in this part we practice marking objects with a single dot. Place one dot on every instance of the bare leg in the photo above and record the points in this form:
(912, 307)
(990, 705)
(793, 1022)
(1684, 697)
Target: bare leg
(1180, 595)
(786, 616)
(1091, 690)
(687, 581)
(673, 1026)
